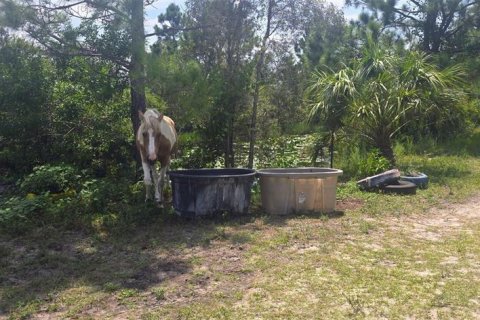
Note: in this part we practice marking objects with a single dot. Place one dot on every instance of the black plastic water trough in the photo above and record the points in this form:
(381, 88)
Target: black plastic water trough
(202, 192)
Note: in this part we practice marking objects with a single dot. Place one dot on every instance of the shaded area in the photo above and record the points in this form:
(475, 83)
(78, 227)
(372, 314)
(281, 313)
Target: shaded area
(139, 253)
(40, 266)
(47, 261)
(34, 267)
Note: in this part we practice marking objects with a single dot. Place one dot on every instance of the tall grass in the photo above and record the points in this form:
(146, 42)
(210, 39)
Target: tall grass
(358, 160)
(463, 144)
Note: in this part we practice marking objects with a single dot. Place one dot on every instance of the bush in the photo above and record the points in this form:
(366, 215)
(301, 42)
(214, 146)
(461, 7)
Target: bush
(26, 84)
(356, 162)
(194, 152)
(18, 214)
(50, 178)
(285, 152)
(373, 164)
(104, 195)
(59, 195)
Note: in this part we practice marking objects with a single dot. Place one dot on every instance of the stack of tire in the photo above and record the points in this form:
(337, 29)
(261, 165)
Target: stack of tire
(400, 187)
(392, 182)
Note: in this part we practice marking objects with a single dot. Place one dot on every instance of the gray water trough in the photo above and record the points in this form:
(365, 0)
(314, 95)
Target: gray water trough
(202, 192)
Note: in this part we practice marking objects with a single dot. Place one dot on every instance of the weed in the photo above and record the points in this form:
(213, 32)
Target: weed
(241, 237)
(159, 293)
(111, 287)
(366, 227)
(355, 303)
(127, 293)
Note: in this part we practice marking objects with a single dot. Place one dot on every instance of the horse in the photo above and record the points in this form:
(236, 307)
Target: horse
(156, 140)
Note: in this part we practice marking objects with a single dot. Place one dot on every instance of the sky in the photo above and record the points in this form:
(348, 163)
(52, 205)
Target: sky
(160, 6)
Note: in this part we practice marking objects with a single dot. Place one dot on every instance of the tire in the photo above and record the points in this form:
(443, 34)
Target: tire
(401, 187)
(379, 180)
(421, 181)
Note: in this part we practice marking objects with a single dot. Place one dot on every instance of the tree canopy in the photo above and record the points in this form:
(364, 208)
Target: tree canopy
(232, 72)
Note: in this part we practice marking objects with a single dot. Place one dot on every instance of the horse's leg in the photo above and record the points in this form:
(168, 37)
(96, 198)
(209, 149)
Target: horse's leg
(161, 185)
(165, 163)
(147, 180)
(158, 192)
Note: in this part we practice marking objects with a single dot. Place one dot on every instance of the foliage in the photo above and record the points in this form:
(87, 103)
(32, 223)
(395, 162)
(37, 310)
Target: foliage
(56, 195)
(79, 115)
(195, 153)
(373, 164)
(50, 178)
(169, 30)
(91, 133)
(110, 32)
(284, 152)
(281, 101)
(384, 92)
(18, 214)
(359, 161)
(227, 61)
(324, 40)
(437, 25)
(329, 96)
(25, 93)
(181, 84)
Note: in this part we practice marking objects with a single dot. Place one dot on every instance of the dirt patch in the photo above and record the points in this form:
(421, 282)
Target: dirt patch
(438, 222)
(349, 204)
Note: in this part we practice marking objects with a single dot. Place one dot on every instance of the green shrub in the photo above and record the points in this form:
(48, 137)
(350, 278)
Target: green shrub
(18, 214)
(104, 195)
(50, 178)
(356, 162)
(285, 152)
(349, 161)
(57, 195)
(194, 152)
(373, 164)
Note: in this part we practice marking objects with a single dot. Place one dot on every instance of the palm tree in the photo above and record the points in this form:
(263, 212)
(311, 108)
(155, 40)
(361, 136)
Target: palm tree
(381, 94)
(330, 96)
(405, 90)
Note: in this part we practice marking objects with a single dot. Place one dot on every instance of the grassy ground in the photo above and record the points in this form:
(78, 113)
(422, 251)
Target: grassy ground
(378, 256)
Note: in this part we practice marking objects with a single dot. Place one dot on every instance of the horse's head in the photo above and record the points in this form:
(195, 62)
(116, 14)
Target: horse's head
(149, 133)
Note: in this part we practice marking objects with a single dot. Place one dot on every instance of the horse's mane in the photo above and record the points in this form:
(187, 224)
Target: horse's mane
(152, 117)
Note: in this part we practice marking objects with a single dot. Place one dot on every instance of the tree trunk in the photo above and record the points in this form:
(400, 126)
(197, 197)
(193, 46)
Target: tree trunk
(258, 83)
(253, 123)
(331, 148)
(386, 150)
(138, 103)
(137, 65)
(430, 29)
(229, 152)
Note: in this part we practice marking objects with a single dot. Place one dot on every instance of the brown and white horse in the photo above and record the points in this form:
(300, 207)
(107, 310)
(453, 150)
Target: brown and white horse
(156, 140)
